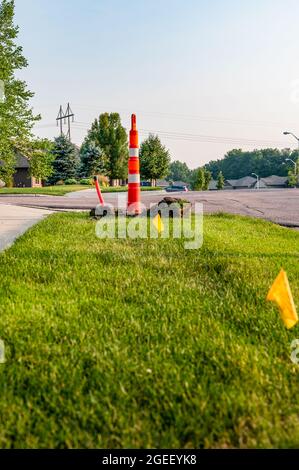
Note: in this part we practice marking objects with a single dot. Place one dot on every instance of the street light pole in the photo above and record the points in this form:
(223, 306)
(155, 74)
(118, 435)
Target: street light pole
(295, 137)
(257, 180)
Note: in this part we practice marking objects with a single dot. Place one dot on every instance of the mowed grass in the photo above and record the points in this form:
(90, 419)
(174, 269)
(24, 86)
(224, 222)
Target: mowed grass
(141, 343)
(61, 190)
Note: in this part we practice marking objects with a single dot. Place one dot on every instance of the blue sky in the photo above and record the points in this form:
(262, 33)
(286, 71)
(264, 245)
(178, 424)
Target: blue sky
(208, 76)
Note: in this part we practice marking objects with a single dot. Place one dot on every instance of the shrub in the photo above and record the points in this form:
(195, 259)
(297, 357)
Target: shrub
(86, 181)
(70, 181)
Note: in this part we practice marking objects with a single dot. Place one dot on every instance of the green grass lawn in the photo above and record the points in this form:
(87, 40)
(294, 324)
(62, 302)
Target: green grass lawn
(61, 190)
(141, 343)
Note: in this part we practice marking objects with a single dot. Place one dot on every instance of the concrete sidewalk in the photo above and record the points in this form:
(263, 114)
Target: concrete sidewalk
(15, 220)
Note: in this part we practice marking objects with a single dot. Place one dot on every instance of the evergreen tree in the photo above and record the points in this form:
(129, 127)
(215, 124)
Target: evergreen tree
(199, 180)
(179, 171)
(220, 180)
(207, 179)
(93, 160)
(16, 117)
(66, 160)
(154, 159)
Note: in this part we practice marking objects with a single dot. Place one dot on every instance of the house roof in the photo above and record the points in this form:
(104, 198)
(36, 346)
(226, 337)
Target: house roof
(212, 185)
(162, 183)
(275, 180)
(244, 182)
(21, 162)
(179, 183)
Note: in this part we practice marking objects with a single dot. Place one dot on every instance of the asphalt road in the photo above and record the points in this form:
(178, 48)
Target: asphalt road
(279, 206)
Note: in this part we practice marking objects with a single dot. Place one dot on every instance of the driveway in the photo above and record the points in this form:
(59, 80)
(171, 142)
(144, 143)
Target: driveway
(280, 205)
(15, 220)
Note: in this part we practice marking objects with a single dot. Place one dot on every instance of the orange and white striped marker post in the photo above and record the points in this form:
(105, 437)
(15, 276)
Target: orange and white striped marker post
(133, 207)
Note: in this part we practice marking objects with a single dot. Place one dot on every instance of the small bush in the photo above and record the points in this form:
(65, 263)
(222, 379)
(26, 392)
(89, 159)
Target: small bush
(59, 183)
(86, 181)
(70, 181)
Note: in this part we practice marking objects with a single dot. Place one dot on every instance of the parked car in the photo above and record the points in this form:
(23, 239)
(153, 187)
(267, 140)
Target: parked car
(175, 189)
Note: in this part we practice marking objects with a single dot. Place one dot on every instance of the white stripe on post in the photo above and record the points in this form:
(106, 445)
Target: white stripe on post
(134, 179)
(134, 152)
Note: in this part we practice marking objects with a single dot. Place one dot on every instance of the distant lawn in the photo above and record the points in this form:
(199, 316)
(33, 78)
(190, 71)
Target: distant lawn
(64, 189)
(141, 343)
(60, 190)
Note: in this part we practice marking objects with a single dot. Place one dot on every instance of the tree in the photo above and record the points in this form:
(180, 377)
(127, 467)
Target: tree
(154, 159)
(179, 171)
(199, 181)
(110, 136)
(207, 179)
(266, 162)
(292, 179)
(93, 160)
(220, 180)
(16, 117)
(41, 159)
(66, 160)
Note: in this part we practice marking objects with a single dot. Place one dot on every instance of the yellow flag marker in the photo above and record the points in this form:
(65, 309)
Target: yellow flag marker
(280, 293)
(157, 221)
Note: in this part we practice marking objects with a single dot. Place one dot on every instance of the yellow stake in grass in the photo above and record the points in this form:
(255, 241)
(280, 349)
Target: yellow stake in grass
(157, 221)
(280, 293)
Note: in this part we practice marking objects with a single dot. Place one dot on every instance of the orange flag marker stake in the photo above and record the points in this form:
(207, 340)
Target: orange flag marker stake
(280, 293)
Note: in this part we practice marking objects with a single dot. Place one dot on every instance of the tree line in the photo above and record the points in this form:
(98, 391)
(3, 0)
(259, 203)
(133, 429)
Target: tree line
(237, 164)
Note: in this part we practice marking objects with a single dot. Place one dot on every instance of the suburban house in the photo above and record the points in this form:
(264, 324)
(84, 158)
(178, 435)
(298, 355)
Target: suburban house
(275, 181)
(249, 182)
(180, 183)
(162, 183)
(212, 185)
(22, 177)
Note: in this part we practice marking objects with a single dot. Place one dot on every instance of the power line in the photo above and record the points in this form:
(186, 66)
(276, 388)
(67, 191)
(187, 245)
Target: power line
(212, 119)
(197, 137)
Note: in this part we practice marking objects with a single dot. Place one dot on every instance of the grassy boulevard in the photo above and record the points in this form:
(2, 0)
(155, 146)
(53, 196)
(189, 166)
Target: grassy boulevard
(141, 343)
(64, 189)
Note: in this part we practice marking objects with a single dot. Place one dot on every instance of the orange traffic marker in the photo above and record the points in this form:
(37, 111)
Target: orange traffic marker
(280, 293)
(134, 172)
(99, 193)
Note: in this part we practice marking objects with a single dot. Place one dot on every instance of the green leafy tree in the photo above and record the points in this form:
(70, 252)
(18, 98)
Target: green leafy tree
(266, 162)
(292, 179)
(16, 117)
(41, 159)
(179, 171)
(93, 160)
(66, 160)
(154, 159)
(110, 136)
(220, 180)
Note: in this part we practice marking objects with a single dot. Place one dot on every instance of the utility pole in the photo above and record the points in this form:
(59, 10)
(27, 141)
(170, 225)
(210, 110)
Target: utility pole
(59, 119)
(63, 117)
